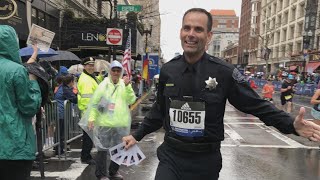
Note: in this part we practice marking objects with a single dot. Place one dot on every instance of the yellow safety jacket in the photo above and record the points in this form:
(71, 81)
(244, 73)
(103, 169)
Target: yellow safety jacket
(86, 87)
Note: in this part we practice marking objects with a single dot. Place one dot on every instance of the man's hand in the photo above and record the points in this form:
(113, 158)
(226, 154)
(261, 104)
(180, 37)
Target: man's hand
(90, 125)
(129, 141)
(306, 128)
(126, 80)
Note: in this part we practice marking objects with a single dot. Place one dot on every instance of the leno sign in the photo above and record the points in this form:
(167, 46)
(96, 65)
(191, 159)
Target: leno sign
(7, 9)
(135, 8)
(114, 36)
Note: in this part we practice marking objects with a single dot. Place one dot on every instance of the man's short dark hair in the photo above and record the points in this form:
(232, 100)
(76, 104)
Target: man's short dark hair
(200, 10)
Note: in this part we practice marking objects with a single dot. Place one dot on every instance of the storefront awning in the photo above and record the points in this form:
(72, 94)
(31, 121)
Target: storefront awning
(310, 67)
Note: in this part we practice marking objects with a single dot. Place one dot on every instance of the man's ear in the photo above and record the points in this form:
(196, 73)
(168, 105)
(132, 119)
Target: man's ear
(210, 34)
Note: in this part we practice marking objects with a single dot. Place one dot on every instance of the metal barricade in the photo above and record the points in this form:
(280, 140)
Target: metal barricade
(72, 130)
(49, 126)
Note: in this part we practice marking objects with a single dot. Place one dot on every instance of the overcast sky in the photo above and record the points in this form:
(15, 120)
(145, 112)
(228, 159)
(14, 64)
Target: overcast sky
(173, 11)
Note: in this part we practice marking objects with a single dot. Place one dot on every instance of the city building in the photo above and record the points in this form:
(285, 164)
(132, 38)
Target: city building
(225, 30)
(230, 53)
(281, 34)
(311, 37)
(42, 13)
(249, 34)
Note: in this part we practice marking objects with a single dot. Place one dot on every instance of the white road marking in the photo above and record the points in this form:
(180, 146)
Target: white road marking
(234, 135)
(240, 118)
(265, 146)
(282, 137)
(235, 123)
(302, 105)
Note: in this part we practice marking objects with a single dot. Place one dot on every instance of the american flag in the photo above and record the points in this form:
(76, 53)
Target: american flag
(126, 62)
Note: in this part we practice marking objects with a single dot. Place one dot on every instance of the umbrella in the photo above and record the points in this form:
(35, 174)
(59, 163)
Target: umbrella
(63, 56)
(75, 69)
(101, 65)
(28, 51)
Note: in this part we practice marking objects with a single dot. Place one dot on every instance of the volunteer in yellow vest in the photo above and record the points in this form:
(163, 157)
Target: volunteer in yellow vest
(108, 117)
(87, 84)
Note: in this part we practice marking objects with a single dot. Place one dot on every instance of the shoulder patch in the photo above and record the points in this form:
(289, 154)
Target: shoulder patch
(236, 75)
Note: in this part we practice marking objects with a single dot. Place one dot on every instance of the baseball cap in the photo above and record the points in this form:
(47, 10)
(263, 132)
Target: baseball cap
(63, 70)
(115, 64)
(88, 60)
(290, 76)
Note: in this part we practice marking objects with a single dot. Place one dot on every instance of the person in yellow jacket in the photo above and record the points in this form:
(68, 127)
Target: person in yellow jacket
(109, 118)
(87, 84)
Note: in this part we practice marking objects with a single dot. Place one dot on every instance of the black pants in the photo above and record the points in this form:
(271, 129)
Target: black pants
(179, 165)
(101, 165)
(86, 147)
(15, 170)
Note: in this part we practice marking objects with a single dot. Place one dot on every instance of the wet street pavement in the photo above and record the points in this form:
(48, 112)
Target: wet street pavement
(250, 151)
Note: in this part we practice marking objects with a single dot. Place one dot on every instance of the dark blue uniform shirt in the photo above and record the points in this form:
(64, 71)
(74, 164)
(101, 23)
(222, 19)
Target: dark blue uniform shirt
(179, 79)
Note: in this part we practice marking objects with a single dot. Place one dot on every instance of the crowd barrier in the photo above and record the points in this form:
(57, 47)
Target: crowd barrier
(301, 89)
(51, 126)
(72, 130)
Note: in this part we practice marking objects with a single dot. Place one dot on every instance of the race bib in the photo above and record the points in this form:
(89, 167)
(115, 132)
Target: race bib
(287, 97)
(187, 118)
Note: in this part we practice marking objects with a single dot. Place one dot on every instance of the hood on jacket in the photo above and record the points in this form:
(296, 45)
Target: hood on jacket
(9, 47)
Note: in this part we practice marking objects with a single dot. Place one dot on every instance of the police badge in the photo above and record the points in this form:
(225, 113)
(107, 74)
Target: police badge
(211, 83)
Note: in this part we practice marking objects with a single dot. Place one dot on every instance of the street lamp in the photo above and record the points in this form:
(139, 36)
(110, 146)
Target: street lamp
(306, 46)
(146, 32)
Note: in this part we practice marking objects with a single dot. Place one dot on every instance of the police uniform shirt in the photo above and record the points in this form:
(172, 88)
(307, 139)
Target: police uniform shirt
(179, 79)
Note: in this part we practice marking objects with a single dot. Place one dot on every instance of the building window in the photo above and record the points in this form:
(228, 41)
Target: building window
(280, 5)
(291, 32)
(286, 17)
(88, 3)
(284, 36)
(299, 33)
(34, 16)
(254, 20)
(301, 10)
(48, 20)
(293, 14)
(299, 47)
(41, 19)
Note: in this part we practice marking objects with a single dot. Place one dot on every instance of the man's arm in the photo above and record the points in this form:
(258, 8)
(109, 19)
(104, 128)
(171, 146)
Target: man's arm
(247, 100)
(153, 120)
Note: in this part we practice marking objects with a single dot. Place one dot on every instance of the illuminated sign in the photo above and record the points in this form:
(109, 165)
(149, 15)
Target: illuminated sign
(93, 37)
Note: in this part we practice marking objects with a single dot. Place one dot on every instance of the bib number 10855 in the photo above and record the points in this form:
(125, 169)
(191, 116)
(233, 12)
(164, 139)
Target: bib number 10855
(187, 116)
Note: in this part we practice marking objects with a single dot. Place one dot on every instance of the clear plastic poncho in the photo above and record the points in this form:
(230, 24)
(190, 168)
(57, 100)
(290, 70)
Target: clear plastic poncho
(109, 113)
